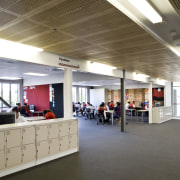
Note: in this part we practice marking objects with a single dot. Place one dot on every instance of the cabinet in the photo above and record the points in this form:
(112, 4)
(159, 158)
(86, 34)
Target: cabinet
(2, 140)
(64, 143)
(13, 156)
(13, 138)
(41, 133)
(53, 131)
(2, 159)
(42, 149)
(28, 153)
(64, 129)
(28, 135)
(54, 146)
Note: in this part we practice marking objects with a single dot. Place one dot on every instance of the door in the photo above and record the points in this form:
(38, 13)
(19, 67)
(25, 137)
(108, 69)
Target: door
(53, 131)
(2, 160)
(64, 143)
(14, 156)
(29, 153)
(54, 146)
(28, 135)
(64, 129)
(73, 127)
(13, 138)
(41, 133)
(42, 149)
(73, 141)
(2, 140)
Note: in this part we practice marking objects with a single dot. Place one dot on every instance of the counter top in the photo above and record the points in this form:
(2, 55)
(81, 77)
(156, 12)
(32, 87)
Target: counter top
(31, 123)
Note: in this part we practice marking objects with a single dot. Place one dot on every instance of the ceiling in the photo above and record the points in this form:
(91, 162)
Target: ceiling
(16, 69)
(93, 30)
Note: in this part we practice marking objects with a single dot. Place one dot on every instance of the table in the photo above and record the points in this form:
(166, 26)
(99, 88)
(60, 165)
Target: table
(110, 111)
(131, 110)
(35, 118)
(36, 112)
(142, 112)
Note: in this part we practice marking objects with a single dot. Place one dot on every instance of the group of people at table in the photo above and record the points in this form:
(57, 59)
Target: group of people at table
(21, 112)
(103, 110)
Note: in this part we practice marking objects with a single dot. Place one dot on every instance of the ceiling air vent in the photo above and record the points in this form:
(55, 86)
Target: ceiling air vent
(176, 5)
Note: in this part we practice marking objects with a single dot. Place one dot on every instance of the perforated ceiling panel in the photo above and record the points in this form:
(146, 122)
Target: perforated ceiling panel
(88, 30)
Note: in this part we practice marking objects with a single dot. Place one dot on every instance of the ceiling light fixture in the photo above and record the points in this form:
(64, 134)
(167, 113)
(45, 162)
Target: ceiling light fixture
(10, 78)
(35, 74)
(147, 10)
(10, 46)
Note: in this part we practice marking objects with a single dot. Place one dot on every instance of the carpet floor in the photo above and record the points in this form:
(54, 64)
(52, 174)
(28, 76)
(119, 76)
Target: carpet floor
(143, 152)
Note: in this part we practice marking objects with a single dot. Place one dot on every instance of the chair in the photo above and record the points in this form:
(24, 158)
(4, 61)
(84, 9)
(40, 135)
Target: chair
(89, 112)
(101, 118)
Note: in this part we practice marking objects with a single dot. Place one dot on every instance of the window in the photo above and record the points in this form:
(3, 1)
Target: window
(6, 93)
(82, 95)
(74, 94)
(14, 94)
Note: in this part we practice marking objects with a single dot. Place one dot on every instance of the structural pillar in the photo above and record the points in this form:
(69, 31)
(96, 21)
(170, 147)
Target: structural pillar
(123, 114)
(150, 102)
(68, 93)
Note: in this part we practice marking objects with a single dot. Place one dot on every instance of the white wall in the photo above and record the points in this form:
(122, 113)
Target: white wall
(97, 96)
(167, 94)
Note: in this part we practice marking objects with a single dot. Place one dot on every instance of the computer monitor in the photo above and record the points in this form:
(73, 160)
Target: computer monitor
(7, 118)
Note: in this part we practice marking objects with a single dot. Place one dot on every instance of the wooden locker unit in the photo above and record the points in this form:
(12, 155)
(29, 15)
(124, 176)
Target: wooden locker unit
(42, 133)
(64, 143)
(64, 129)
(42, 149)
(54, 146)
(53, 131)
(28, 153)
(73, 141)
(13, 156)
(2, 159)
(2, 139)
(13, 138)
(28, 135)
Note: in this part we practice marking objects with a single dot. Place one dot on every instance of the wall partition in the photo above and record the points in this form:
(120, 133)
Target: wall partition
(176, 99)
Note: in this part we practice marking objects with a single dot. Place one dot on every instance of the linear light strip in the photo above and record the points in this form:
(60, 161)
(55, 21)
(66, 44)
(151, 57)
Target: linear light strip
(147, 10)
(35, 74)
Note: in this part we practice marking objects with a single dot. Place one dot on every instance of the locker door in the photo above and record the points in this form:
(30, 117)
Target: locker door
(2, 160)
(29, 153)
(2, 140)
(64, 143)
(73, 127)
(42, 149)
(53, 131)
(13, 138)
(54, 146)
(42, 133)
(64, 129)
(14, 156)
(73, 141)
(28, 135)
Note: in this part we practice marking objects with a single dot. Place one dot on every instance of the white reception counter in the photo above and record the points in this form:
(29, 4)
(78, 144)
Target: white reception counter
(24, 145)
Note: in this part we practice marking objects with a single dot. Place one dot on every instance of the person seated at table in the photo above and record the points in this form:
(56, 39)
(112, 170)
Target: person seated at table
(128, 105)
(24, 110)
(48, 114)
(18, 117)
(89, 110)
(132, 105)
(101, 109)
(117, 110)
(111, 105)
(83, 106)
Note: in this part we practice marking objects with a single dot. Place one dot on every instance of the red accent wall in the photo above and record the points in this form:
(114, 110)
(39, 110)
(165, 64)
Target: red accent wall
(37, 95)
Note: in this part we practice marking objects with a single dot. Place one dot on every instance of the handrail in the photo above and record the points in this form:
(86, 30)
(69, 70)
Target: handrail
(7, 104)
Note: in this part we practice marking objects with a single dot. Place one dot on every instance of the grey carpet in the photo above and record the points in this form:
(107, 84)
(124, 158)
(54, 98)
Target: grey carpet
(144, 152)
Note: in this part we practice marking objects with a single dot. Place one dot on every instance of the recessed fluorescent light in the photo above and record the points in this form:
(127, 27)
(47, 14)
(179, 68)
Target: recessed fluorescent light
(35, 74)
(10, 78)
(117, 84)
(147, 10)
(6, 45)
